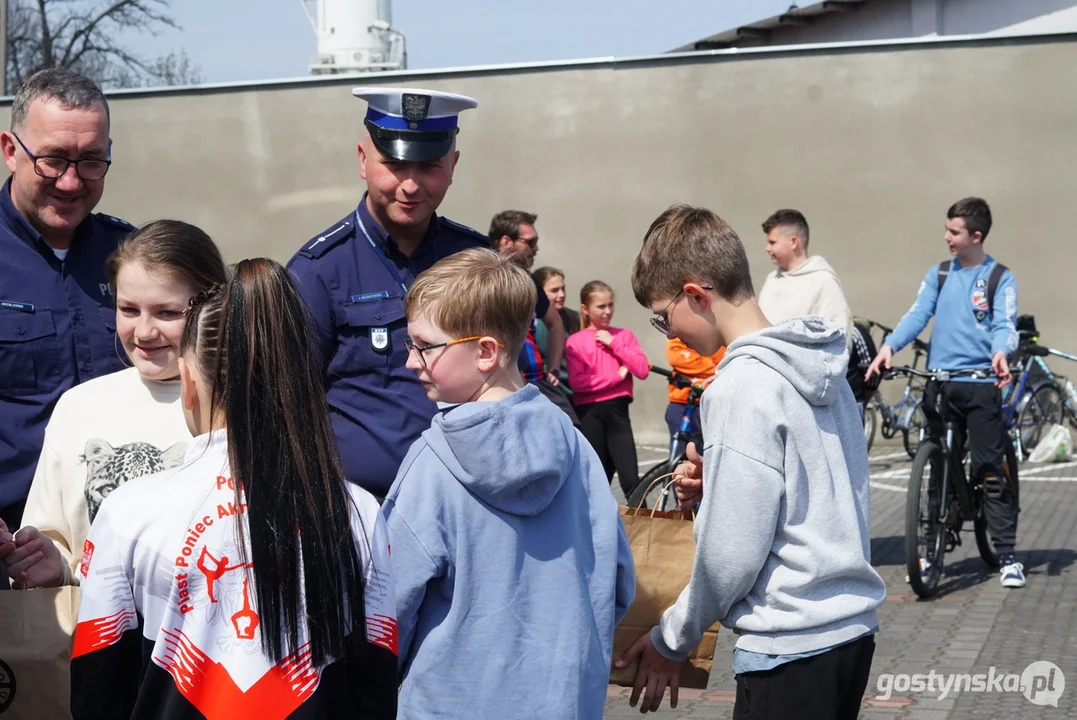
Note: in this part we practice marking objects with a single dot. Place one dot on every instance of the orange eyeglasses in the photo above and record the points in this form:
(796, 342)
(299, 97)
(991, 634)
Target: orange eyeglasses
(420, 350)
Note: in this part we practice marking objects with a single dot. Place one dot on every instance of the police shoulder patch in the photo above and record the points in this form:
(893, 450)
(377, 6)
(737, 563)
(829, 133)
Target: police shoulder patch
(321, 244)
(456, 227)
(114, 221)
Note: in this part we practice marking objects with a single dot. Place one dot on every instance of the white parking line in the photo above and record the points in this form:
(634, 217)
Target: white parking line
(889, 456)
(884, 486)
(1050, 467)
(900, 488)
(891, 474)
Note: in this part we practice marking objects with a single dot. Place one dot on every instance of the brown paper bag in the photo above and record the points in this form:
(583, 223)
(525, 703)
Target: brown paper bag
(663, 549)
(36, 627)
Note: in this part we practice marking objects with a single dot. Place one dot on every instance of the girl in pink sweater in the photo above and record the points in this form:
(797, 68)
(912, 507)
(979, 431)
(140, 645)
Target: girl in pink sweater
(601, 362)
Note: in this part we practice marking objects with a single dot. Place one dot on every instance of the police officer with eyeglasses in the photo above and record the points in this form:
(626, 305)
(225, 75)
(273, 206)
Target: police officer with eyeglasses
(57, 313)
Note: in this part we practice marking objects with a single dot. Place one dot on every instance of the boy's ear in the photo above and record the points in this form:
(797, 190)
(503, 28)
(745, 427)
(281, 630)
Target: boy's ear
(489, 354)
(698, 296)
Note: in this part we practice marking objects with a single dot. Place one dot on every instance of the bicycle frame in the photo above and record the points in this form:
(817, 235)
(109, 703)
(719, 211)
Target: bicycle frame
(1031, 355)
(678, 445)
(1067, 401)
(951, 452)
(899, 414)
(679, 442)
(896, 417)
(1011, 402)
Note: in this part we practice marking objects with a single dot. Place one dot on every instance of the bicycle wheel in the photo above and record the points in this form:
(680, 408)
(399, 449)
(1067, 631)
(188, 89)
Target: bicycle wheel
(640, 492)
(1012, 493)
(913, 435)
(1043, 409)
(925, 536)
(871, 420)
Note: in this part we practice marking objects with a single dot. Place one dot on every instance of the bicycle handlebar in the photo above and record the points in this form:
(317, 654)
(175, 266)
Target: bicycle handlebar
(674, 378)
(917, 343)
(937, 375)
(886, 330)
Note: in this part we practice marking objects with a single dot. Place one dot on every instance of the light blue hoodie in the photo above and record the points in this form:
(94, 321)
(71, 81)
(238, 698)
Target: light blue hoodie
(511, 565)
(966, 335)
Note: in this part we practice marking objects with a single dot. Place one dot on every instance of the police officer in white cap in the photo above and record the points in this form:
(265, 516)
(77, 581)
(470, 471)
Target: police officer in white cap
(354, 276)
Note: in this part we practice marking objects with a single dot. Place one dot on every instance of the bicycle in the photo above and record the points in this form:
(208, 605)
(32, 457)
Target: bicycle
(678, 445)
(934, 519)
(1052, 400)
(907, 414)
(1028, 411)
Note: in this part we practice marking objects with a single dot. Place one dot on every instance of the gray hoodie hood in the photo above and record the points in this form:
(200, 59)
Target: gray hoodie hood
(806, 351)
(514, 454)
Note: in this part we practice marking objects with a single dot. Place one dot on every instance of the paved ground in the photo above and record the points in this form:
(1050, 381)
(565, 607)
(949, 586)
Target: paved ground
(973, 627)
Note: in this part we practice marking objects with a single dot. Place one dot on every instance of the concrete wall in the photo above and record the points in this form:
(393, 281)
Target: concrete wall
(872, 144)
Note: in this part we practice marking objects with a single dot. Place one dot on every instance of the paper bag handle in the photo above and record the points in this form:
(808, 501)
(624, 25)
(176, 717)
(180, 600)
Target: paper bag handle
(647, 492)
(691, 514)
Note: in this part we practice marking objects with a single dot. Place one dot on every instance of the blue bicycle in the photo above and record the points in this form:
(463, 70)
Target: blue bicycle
(660, 496)
(1038, 398)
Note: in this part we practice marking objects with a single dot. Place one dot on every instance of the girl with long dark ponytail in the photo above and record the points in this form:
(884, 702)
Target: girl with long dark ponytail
(270, 550)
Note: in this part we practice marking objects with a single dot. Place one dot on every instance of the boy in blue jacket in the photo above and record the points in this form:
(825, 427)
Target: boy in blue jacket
(513, 562)
(973, 299)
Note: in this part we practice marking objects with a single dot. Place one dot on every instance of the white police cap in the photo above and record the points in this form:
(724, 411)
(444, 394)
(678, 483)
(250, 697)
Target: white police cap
(411, 124)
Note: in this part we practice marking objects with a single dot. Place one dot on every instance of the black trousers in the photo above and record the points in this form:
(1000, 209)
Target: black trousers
(830, 685)
(979, 408)
(12, 516)
(606, 426)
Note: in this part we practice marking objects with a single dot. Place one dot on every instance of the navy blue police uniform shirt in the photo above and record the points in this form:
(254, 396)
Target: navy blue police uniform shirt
(378, 406)
(57, 329)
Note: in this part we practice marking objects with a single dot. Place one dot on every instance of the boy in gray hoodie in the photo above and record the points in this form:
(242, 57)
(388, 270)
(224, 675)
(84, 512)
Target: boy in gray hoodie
(791, 578)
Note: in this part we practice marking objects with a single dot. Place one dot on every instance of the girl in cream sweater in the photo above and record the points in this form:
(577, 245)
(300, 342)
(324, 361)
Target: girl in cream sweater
(115, 428)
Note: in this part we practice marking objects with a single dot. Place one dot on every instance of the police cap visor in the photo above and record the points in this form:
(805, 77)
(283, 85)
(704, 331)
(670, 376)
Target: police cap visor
(411, 145)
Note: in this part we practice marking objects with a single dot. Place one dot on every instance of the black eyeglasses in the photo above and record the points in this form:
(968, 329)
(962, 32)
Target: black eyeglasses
(529, 242)
(661, 321)
(412, 347)
(55, 167)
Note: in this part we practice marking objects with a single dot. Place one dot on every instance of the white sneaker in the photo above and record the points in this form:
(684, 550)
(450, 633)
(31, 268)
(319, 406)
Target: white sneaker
(1013, 575)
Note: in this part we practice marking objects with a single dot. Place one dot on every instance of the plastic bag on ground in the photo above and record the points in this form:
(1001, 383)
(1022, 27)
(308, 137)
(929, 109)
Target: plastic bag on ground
(1055, 446)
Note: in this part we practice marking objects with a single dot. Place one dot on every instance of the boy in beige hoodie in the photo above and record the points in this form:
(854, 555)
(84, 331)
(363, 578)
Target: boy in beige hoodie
(801, 285)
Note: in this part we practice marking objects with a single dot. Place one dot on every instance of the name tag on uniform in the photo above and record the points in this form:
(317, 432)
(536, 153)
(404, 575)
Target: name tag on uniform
(370, 297)
(20, 306)
(379, 338)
